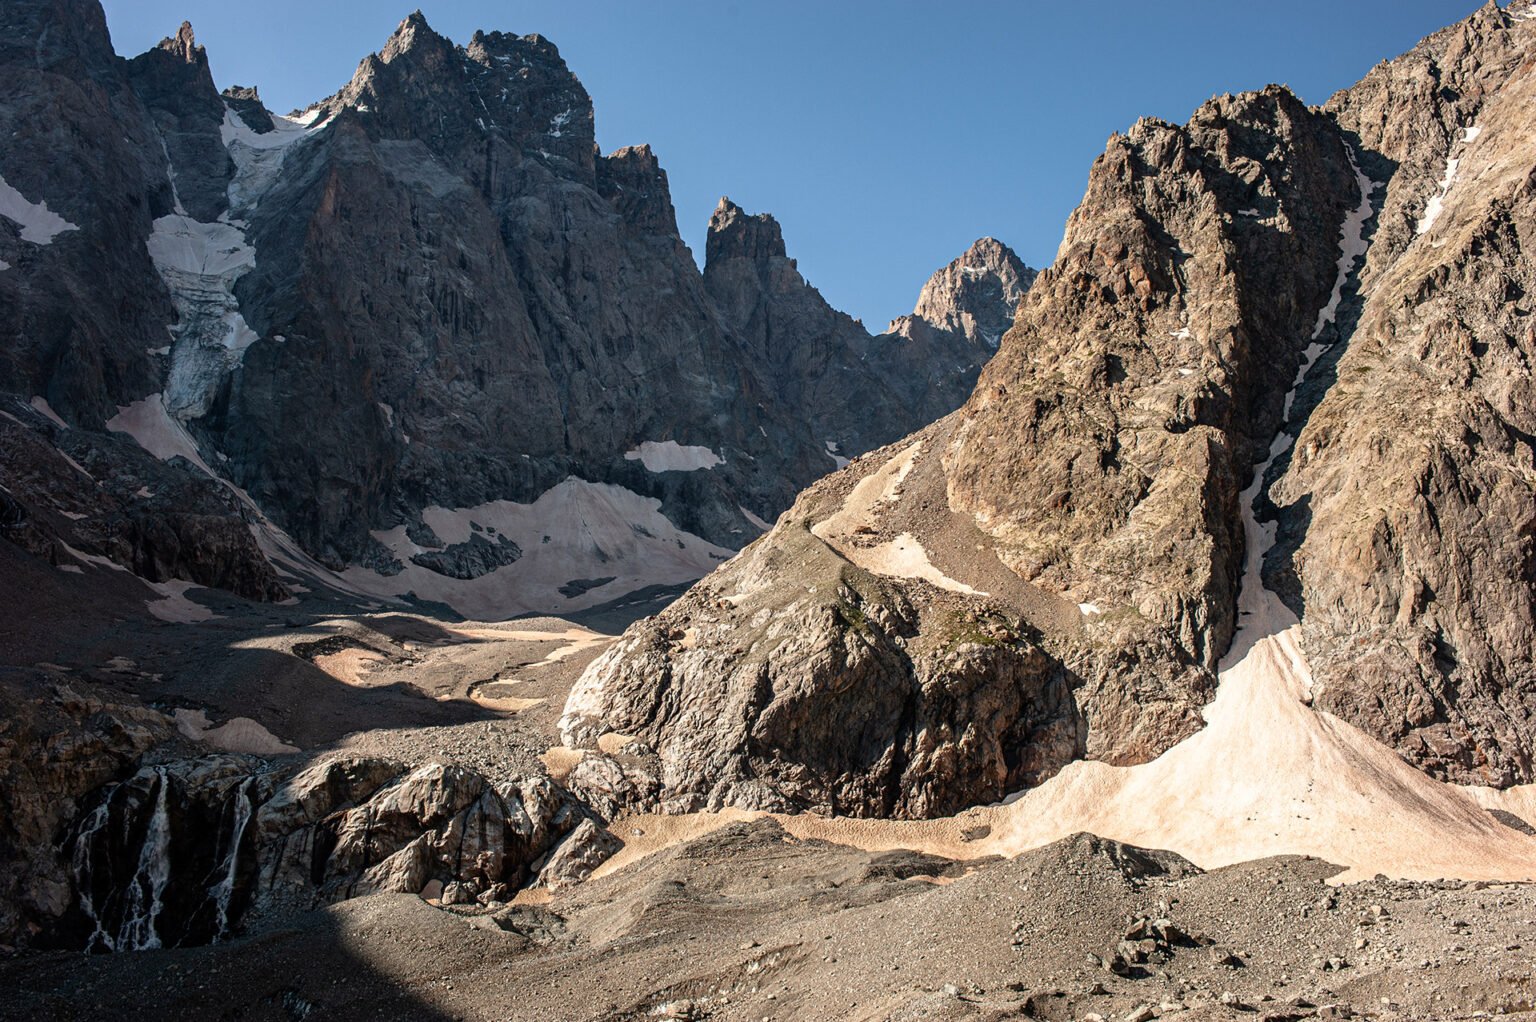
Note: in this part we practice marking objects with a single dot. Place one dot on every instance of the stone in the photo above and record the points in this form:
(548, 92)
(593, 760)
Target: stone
(577, 855)
(458, 893)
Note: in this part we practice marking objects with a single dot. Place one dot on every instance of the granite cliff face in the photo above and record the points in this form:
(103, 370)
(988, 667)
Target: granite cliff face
(426, 295)
(1332, 296)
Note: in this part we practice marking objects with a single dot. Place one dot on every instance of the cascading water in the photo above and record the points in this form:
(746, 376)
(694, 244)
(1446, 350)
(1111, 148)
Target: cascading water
(223, 891)
(147, 889)
(139, 852)
(84, 842)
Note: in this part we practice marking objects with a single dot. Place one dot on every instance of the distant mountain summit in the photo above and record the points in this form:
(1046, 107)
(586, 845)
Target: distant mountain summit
(400, 341)
(973, 296)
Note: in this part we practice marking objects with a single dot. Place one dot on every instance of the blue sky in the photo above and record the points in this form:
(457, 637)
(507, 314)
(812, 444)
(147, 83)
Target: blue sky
(886, 135)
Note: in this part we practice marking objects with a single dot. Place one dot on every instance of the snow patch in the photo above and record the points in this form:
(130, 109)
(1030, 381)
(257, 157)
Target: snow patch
(1352, 246)
(259, 156)
(670, 456)
(240, 735)
(148, 422)
(1089, 609)
(576, 529)
(41, 404)
(39, 224)
(174, 606)
(749, 516)
(837, 459)
(1436, 202)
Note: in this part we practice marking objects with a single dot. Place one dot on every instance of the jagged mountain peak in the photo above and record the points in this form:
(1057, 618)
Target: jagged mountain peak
(975, 295)
(184, 45)
(500, 85)
(412, 32)
(736, 234)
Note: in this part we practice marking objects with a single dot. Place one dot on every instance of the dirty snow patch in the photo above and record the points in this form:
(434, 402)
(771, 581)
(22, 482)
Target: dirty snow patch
(39, 224)
(576, 529)
(837, 459)
(151, 425)
(240, 735)
(749, 516)
(174, 606)
(670, 456)
(41, 404)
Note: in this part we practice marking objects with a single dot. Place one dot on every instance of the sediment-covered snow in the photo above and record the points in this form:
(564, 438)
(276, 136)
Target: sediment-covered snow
(174, 606)
(240, 735)
(670, 456)
(46, 410)
(837, 459)
(39, 224)
(148, 422)
(576, 530)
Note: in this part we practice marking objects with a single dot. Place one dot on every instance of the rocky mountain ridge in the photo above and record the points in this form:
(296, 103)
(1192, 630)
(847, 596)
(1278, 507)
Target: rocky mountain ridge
(1331, 297)
(427, 293)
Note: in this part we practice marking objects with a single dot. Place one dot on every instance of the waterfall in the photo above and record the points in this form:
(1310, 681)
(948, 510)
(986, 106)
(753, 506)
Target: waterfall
(147, 888)
(162, 860)
(81, 861)
(224, 890)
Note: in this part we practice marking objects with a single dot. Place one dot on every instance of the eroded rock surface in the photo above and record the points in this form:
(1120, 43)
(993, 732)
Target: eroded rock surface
(1090, 485)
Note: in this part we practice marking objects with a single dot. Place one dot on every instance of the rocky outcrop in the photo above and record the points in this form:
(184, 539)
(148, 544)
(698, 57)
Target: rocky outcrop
(1052, 571)
(921, 369)
(63, 740)
(266, 842)
(175, 83)
(793, 680)
(974, 296)
(76, 495)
